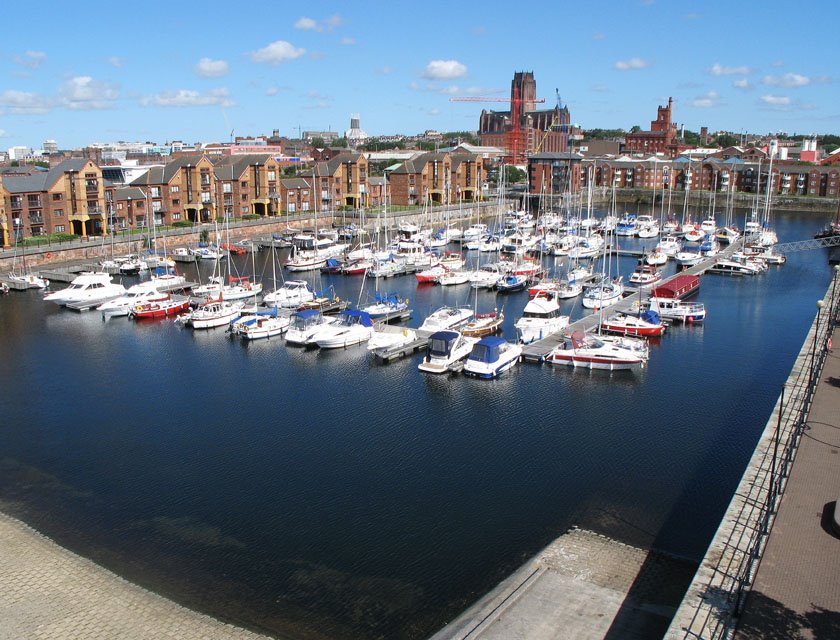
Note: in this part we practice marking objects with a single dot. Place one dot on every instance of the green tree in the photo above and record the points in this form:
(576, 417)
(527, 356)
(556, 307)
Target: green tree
(339, 142)
(290, 171)
(514, 175)
(725, 140)
(318, 142)
(635, 128)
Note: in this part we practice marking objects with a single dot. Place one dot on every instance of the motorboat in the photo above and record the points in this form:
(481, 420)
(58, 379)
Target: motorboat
(304, 324)
(134, 295)
(430, 275)
(88, 288)
(656, 258)
(611, 353)
(693, 233)
(352, 327)
(626, 226)
(676, 309)
(491, 356)
(445, 349)
(511, 282)
(736, 268)
(485, 277)
(454, 277)
(386, 337)
(386, 306)
(603, 294)
(169, 305)
(262, 324)
(215, 313)
(540, 318)
(670, 246)
(709, 246)
(709, 225)
(648, 323)
(446, 318)
(291, 295)
(29, 280)
(688, 258)
(645, 275)
(569, 289)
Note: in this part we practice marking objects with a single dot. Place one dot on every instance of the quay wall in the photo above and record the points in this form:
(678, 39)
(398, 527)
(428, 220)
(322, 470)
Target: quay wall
(701, 199)
(715, 598)
(100, 247)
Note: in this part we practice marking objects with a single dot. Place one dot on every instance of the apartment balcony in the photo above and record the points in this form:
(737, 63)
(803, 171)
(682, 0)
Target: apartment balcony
(36, 219)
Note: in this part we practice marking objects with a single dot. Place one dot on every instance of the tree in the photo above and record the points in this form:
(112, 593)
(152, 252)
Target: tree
(290, 171)
(514, 174)
(318, 142)
(635, 128)
(340, 142)
(725, 140)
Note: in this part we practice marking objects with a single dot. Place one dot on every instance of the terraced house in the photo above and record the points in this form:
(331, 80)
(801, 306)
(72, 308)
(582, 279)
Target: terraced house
(426, 177)
(71, 197)
(342, 181)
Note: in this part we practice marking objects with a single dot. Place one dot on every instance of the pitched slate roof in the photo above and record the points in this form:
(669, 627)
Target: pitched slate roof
(43, 180)
(418, 163)
(233, 167)
(296, 183)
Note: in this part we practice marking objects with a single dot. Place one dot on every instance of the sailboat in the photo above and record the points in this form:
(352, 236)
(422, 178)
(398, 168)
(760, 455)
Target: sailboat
(24, 277)
(263, 323)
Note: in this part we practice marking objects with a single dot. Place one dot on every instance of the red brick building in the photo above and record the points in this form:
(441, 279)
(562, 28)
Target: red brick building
(662, 137)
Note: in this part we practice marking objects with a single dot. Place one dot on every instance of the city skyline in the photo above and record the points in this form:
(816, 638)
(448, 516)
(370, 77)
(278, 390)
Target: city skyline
(177, 73)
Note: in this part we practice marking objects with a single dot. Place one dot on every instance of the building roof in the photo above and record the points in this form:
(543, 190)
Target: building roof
(419, 162)
(233, 167)
(296, 183)
(43, 180)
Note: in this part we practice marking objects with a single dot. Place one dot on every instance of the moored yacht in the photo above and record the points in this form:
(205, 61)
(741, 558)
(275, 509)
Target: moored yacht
(491, 356)
(540, 318)
(590, 351)
(445, 349)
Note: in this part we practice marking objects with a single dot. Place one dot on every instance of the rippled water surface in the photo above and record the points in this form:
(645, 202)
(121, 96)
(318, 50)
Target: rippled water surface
(319, 494)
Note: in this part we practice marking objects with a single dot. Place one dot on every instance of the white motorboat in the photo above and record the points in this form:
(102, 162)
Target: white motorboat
(688, 258)
(134, 295)
(676, 309)
(387, 337)
(656, 258)
(540, 318)
(30, 280)
(445, 349)
(485, 277)
(352, 327)
(446, 318)
(305, 324)
(88, 288)
(259, 325)
(491, 356)
(454, 277)
(291, 295)
(216, 313)
(736, 268)
(645, 275)
(473, 232)
(611, 353)
(670, 246)
(387, 305)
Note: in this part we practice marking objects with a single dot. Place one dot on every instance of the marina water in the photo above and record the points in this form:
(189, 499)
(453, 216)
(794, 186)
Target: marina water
(321, 494)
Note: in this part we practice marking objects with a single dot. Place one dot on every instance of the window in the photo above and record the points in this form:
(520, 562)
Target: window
(57, 197)
(272, 176)
(175, 202)
(291, 207)
(176, 216)
(246, 209)
(244, 197)
(244, 185)
(58, 213)
(156, 192)
(227, 187)
(205, 197)
(59, 228)
(33, 200)
(174, 188)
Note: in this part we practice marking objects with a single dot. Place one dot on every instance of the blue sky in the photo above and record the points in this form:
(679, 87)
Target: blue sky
(164, 71)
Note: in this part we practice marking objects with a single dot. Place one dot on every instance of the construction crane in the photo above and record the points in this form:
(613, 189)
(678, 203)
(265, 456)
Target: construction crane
(513, 137)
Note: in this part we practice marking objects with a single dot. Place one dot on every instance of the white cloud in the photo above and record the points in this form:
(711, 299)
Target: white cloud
(31, 59)
(707, 100)
(306, 24)
(742, 83)
(115, 61)
(83, 93)
(316, 95)
(277, 52)
(208, 68)
(719, 70)
(776, 101)
(23, 102)
(348, 41)
(632, 63)
(434, 111)
(444, 70)
(190, 98)
(272, 91)
(787, 80)
(3, 133)
(310, 24)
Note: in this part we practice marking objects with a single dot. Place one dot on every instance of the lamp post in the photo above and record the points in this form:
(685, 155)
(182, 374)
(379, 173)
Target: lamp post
(831, 317)
(820, 304)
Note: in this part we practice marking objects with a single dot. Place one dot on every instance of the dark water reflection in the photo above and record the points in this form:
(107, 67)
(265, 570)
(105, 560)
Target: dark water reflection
(319, 494)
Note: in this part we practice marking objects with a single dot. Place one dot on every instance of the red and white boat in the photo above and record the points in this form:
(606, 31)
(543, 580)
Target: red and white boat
(647, 324)
(430, 275)
(589, 351)
(160, 308)
(645, 275)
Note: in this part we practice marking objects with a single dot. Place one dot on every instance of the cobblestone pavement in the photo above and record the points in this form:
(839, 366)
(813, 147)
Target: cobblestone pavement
(47, 592)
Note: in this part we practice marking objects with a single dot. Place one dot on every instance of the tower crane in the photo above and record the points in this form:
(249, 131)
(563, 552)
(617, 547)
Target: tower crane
(513, 137)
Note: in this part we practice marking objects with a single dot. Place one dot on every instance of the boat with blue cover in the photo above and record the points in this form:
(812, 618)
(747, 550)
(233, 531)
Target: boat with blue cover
(492, 356)
(445, 349)
(352, 327)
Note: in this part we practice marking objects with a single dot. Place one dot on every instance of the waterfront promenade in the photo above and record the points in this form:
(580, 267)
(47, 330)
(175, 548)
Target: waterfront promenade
(51, 593)
(772, 568)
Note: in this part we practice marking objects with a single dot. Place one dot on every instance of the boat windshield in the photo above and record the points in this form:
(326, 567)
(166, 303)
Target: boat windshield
(439, 347)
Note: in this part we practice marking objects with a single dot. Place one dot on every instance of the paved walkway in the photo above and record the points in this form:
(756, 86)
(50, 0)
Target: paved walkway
(583, 586)
(50, 593)
(796, 591)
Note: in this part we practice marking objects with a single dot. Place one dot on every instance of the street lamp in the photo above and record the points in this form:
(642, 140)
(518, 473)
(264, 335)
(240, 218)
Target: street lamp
(831, 318)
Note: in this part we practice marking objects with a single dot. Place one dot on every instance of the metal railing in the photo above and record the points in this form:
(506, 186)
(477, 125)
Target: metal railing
(744, 545)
